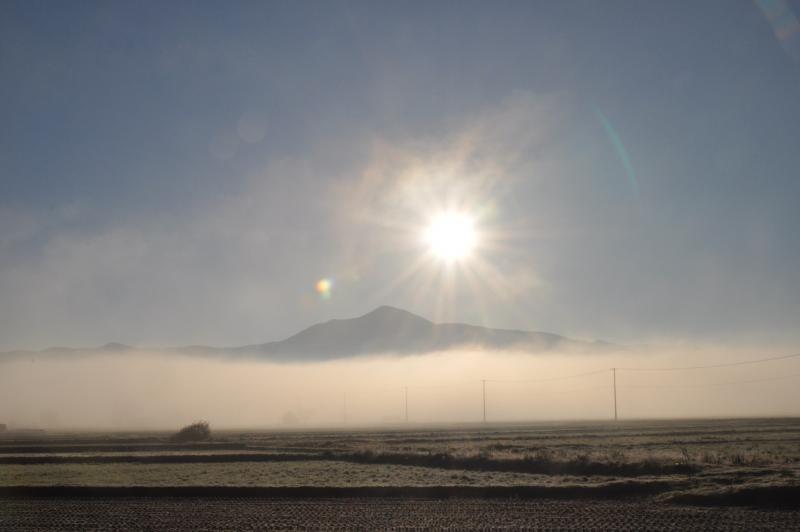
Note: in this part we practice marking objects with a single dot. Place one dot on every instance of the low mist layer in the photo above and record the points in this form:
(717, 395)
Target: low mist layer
(142, 390)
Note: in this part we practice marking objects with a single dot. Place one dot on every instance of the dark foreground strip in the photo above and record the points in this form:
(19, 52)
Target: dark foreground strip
(787, 497)
(339, 514)
(159, 459)
(610, 491)
(766, 496)
(435, 460)
(118, 447)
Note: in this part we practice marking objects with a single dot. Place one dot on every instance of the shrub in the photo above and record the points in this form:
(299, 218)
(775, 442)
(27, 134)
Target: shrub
(687, 458)
(198, 431)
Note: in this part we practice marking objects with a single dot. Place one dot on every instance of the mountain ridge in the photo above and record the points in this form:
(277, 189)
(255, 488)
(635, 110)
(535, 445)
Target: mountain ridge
(384, 330)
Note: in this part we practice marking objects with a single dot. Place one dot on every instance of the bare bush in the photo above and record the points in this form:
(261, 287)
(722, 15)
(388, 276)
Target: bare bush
(197, 431)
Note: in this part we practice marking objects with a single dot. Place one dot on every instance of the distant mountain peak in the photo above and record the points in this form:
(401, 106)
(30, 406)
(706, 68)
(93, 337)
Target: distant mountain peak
(392, 330)
(383, 330)
(386, 309)
(389, 312)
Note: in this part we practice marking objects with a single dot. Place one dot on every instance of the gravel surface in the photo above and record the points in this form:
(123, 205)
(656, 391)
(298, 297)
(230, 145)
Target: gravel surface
(371, 514)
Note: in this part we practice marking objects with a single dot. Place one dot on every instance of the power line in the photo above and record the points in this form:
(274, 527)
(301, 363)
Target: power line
(599, 371)
(548, 393)
(438, 386)
(613, 384)
(706, 385)
(565, 377)
(727, 365)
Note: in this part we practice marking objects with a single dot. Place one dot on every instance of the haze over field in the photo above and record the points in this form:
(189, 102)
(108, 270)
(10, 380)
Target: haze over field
(153, 390)
(547, 188)
(299, 383)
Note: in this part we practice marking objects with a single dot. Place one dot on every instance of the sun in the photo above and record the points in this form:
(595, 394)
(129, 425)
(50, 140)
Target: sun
(451, 236)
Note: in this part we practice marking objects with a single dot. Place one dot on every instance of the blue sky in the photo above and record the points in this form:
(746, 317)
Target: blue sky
(185, 173)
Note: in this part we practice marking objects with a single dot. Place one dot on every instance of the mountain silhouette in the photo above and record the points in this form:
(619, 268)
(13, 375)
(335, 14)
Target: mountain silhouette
(390, 330)
(385, 330)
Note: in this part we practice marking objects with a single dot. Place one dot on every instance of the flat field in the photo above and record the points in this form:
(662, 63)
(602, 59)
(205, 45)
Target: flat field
(170, 513)
(694, 471)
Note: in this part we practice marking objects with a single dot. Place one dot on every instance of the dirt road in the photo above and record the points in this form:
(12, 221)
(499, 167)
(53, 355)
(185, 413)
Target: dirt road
(370, 514)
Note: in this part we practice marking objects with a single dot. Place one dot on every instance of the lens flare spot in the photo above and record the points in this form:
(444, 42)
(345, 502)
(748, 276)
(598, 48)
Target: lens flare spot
(324, 287)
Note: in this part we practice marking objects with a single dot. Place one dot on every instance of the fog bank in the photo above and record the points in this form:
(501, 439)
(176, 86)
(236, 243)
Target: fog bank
(148, 389)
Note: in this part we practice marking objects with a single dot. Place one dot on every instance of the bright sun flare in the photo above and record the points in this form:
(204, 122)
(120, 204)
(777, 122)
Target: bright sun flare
(451, 236)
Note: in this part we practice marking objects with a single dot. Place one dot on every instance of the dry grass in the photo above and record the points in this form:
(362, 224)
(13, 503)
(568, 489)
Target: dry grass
(671, 456)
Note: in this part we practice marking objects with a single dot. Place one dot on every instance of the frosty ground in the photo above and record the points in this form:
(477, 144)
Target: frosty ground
(676, 473)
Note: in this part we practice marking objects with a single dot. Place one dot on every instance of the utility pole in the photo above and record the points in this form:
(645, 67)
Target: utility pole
(406, 388)
(614, 375)
(484, 400)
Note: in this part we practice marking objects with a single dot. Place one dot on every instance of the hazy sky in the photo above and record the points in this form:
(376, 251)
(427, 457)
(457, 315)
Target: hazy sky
(185, 173)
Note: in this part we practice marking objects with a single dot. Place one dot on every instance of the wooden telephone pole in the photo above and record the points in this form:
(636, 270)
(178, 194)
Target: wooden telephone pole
(614, 375)
(406, 404)
(484, 400)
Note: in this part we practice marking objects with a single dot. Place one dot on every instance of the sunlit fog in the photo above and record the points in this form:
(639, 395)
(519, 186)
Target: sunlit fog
(156, 390)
